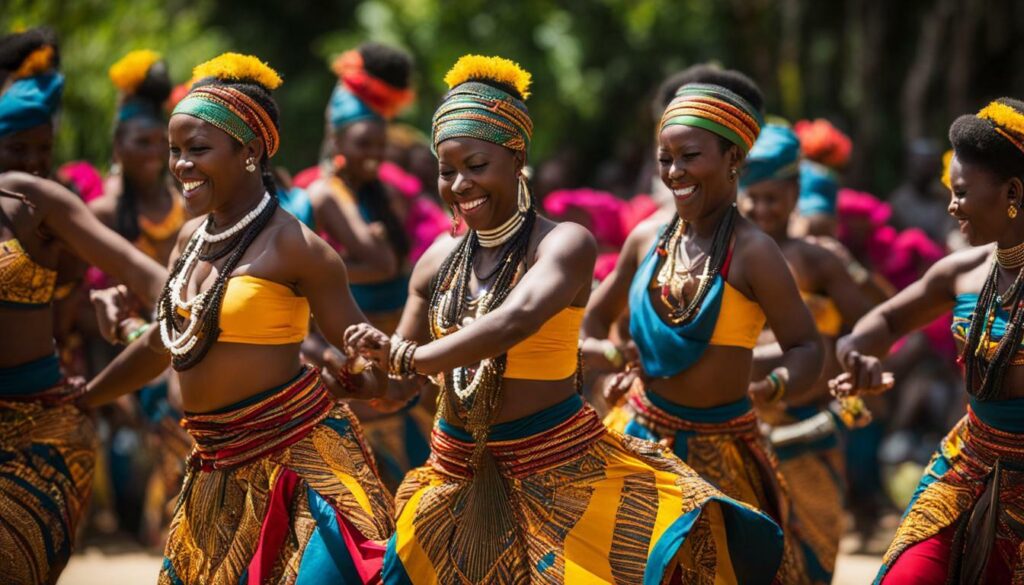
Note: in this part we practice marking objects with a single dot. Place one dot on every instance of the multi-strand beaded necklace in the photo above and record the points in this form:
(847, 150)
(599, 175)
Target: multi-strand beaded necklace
(188, 328)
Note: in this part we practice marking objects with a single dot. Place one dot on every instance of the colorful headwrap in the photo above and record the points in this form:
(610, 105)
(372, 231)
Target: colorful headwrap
(824, 143)
(33, 98)
(818, 189)
(346, 108)
(1007, 121)
(374, 94)
(715, 109)
(228, 108)
(127, 75)
(475, 109)
(776, 155)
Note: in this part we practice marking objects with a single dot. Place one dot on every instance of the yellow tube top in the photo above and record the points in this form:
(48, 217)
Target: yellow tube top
(22, 281)
(826, 315)
(551, 352)
(261, 312)
(740, 320)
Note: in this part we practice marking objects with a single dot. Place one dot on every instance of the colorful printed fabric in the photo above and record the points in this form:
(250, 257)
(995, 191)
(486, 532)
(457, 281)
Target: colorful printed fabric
(346, 108)
(47, 457)
(309, 510)
(30, 102)
(233, 112)
(400, 441)
(588, 506)
(726, 448)
(477, 110)
(815, 474)
(382, 98)
(715, 109)
(775, 155)
(975, 484)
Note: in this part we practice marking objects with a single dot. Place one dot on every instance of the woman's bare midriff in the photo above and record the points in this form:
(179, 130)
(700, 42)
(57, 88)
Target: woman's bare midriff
(523, 398)
(721, 376)
(25, 335)
(231, 372)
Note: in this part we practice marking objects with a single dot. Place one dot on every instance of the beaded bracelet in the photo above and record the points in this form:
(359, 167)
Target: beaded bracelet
(612, 353)
(136, 333)
(402, 358)
(778, 384)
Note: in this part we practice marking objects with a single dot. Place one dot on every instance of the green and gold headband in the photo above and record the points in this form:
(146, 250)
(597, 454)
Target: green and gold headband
(715, 109)
(233, 112)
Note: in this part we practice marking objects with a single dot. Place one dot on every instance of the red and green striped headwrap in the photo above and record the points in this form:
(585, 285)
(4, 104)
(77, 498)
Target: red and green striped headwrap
(475, 109)
(715, 109)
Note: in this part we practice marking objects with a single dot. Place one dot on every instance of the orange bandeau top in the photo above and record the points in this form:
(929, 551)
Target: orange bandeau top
(262, 312)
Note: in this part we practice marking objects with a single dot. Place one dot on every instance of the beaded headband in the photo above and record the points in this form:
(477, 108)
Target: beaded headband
(478, 110)
(1007, 121)
(715, 109)
(233, 112)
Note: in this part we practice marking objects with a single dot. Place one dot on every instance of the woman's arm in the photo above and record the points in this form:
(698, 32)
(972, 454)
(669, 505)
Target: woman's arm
(840, 287)
(369, 256)
(564, 266)
(67, 218)
(610, 299)
(860, 352)
(774, 289)
(133, 368)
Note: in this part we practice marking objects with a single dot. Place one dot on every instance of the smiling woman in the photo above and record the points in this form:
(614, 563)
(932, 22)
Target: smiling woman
(699, 289)
(962, 524)
(275, 454)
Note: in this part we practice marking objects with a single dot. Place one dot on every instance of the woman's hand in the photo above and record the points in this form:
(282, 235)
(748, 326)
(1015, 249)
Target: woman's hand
(845, 385)
(863, 374)
(762, 393)
(618, 385)
(112, 306)
(365, 340)
(348, 378)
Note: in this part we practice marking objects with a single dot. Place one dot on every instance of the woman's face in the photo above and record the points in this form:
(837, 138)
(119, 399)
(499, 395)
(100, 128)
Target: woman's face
(980, 200)
(480, 180)
(209, 163)
(141, 148)
(770, 203)
(28, 151)
(363, 145)
(696, 170)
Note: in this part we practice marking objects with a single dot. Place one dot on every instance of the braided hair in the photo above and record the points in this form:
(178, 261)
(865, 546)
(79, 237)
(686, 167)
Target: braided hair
(233, 249)
(977, 141)
(149, 97)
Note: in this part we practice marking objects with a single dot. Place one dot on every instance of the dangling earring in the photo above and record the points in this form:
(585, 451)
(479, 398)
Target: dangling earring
(523, 199)
(115, 168)
(455, 222)
(732, 175)
(250, 165)
(1011, 211)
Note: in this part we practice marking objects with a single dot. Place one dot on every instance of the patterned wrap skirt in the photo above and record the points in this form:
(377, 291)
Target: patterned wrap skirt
(814, 470)
(974, 485)
(279, 488)
(400, 441)
(47, 457)
(585, 505)
(725, 446)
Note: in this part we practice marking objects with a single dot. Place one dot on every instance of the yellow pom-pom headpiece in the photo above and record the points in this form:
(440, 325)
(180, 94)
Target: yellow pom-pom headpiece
(947, 159)
(497, 69)
(1007, 120)
(38, 61)
(131, 70)
(237, 67)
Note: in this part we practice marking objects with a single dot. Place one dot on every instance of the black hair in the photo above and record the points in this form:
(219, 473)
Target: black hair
(390, 65)
(149, 97)
(16, 47)
(976, 142)
(668, 88)
(374, 198)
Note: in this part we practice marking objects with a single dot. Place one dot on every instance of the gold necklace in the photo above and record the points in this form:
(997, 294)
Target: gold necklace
(1010, 258)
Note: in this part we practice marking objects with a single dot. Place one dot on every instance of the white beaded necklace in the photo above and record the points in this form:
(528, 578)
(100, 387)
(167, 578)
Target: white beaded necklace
(502, 233)
(181, 344)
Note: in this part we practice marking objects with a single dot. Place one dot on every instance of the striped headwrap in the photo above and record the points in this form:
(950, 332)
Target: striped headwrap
(233, 112)
(1007, 121)
(715, 109)
(476, 109)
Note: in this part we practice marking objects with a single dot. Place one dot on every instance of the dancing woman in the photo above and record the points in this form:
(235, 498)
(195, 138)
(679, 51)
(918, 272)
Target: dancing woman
(46, 442)
(524, 483)
(279, 486)
(963, 523)
(805, 435)
(699, 291)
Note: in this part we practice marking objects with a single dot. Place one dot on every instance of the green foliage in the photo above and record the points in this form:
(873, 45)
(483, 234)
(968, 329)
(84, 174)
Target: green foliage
(93, 35)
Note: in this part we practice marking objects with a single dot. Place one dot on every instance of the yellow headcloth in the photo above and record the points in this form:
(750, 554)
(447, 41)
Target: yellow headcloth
(1007, 121)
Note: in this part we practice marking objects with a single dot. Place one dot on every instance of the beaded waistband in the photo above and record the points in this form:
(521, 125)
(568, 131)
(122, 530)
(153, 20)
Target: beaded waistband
(259, 426)
(660, 420)
(986, 443)
(519, 458)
